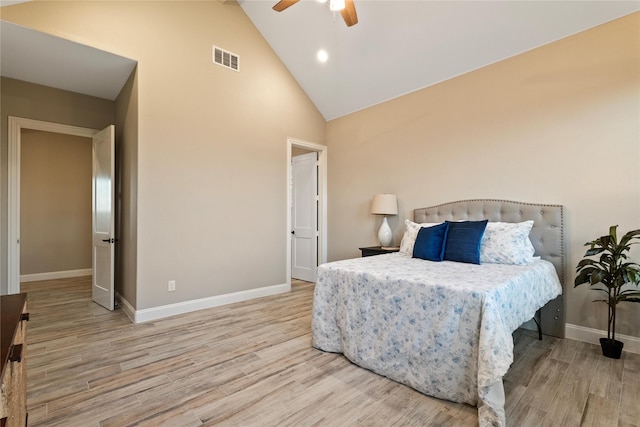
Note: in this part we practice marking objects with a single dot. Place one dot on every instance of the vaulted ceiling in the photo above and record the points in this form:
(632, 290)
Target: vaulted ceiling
(397, 46)
(400, 46)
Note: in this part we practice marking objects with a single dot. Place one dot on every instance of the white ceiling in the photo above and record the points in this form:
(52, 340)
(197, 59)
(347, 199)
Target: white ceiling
(40, 58)
(396, 48)
(400, 46)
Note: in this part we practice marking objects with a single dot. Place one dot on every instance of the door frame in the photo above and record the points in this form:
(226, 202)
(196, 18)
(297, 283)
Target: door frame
(322, 200)
(16, 124)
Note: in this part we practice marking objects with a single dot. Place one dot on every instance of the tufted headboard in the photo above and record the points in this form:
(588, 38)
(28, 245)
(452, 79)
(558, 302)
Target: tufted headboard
(547, 236)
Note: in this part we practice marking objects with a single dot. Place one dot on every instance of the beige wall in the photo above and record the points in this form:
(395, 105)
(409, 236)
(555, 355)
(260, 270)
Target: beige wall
(558, 124)
(211, 142)
(298, 151)
(210, 153)
(26, 100)
(55, 202)
(126, 248)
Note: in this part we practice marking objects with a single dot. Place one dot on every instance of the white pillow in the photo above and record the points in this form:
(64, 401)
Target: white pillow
(410, 235)
(507, 243)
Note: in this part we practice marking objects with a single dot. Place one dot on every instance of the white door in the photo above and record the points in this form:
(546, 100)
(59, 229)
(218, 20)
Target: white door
(103, 217)
(304, 217)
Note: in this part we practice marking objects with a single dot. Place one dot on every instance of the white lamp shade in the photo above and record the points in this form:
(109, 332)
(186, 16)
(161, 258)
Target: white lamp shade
(384, 204)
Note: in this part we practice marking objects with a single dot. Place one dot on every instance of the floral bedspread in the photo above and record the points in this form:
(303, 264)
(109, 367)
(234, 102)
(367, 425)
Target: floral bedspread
(442, 328)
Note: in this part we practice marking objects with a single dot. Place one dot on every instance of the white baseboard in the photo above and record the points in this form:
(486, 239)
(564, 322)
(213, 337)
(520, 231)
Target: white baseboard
(155, 313)
(126, 307)
(55, 275)
(580, 333)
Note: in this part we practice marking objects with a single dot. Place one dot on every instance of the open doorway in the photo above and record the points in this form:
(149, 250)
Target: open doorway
(100, 181)
(307, 212)
(55, 211)
(16, 127)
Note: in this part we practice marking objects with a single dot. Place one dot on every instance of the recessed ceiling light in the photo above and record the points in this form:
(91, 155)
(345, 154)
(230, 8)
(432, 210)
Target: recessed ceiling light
(322, 55)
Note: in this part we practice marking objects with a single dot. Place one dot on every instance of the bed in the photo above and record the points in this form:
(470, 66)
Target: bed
(445, 328)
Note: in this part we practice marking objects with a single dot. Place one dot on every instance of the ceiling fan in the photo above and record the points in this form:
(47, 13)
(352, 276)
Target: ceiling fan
(346, 7)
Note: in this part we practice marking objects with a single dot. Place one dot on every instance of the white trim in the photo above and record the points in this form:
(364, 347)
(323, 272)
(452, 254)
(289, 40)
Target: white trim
(126, 307)
(580, 333)
(16, 124)
(52, 275)
(161, 312)
(322, 202)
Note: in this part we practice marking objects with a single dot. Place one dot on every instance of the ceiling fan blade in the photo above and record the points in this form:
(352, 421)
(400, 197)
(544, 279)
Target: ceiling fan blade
(349, 13)
(283, 4)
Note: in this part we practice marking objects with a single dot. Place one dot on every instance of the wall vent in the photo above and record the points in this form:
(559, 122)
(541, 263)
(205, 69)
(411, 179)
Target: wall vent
(226, 59)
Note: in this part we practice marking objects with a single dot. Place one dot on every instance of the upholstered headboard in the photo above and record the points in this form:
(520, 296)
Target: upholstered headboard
(547, 236)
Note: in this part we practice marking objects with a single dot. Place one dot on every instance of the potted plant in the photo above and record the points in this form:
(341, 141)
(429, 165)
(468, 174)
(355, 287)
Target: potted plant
(608, 274)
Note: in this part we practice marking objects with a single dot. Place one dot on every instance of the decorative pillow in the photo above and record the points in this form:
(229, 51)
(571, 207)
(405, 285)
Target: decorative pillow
(410, 234)
(430, 242)
(463, 241)
(507, 243)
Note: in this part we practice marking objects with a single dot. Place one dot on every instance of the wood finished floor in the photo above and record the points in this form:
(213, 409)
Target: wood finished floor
(251, 364)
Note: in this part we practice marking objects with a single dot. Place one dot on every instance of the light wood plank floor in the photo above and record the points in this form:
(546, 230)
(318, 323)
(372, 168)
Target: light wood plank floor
(251, 364)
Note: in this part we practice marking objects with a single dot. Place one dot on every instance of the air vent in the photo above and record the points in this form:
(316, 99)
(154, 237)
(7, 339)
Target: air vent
(226, 59)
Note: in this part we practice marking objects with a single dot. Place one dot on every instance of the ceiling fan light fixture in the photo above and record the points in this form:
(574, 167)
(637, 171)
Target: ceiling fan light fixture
(346, 8)
(336, 5)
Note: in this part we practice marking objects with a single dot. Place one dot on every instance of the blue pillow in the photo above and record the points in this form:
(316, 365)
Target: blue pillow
(430, 242)
(463, 241)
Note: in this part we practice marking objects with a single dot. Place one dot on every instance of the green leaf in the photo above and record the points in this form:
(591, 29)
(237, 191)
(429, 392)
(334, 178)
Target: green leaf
(629, 236)
(593, 251)
(586, 276)
(631, 292)
(585, 262)
(599, 276)
(629, 297)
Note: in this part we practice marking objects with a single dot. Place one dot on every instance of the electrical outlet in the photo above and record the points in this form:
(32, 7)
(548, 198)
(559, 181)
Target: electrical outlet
(172, 286)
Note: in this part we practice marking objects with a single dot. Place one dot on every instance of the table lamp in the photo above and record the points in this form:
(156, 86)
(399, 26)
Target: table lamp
(384, 204)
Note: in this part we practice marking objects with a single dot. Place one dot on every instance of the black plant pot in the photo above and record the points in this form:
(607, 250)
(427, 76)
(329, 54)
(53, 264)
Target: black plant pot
(611, 348)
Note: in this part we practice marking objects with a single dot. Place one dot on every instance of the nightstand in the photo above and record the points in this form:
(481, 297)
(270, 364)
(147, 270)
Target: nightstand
(377, 250)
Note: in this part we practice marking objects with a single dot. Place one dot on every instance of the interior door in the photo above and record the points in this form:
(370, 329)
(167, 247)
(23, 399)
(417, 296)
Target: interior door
(304, 217)
(103, 201)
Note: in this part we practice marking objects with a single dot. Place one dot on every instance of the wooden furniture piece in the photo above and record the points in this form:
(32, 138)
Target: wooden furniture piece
(13, 363)
(377, 250)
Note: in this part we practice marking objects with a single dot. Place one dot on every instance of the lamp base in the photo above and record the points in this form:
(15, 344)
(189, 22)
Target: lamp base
(385, 236)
